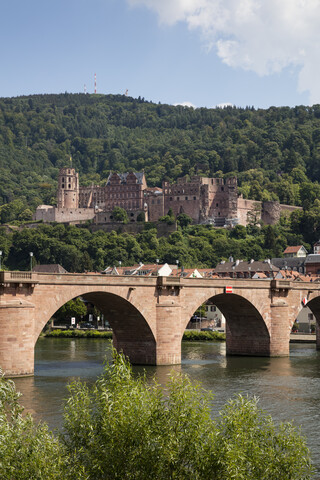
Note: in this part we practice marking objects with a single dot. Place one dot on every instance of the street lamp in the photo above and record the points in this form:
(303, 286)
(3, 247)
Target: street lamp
(0, 258)
(31, 255)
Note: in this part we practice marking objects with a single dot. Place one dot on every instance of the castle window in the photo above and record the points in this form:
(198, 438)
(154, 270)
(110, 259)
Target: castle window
(178, 198)
(186, 198)
(217, 204)
(63, 185)
(222, 189)
(170, 198)
(194, 198)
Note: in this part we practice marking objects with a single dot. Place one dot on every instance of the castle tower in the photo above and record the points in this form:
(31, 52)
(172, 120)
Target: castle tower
(68, 188)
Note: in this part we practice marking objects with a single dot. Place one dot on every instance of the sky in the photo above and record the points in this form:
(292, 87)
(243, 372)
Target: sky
(201, 53)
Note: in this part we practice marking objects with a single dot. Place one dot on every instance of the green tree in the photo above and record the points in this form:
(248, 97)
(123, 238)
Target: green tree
(184, 220)
(119, 215)
(141, 217)
(171, 434)
(74, 308)
(28, 451)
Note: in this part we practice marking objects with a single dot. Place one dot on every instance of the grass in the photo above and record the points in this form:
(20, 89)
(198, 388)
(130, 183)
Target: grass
(78, 334)
(188, 336)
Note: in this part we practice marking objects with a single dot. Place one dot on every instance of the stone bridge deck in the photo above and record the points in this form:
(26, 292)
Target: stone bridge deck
(148, 315)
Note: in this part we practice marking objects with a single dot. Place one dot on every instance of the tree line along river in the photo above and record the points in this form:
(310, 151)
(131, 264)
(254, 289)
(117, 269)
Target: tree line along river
(288, 388)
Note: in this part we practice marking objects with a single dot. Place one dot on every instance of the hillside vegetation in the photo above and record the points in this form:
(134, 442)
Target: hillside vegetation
(275, 153)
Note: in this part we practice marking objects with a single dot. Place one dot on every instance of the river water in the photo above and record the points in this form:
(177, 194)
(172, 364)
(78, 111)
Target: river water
(288, 388)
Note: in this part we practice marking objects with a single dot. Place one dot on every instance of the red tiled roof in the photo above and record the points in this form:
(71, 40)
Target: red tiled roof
(293, 249)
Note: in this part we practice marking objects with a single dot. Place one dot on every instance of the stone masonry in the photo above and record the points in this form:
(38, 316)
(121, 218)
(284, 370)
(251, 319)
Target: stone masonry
(148, 315)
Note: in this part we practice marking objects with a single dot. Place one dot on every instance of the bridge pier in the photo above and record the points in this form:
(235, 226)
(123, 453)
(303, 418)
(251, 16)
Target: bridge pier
(280, 329)
(168, 333)
(17, 338)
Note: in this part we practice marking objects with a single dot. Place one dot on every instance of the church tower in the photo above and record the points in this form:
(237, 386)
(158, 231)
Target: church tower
(68, 188)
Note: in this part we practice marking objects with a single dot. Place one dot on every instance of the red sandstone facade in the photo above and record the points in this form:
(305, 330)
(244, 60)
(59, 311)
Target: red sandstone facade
(148, 315)
(202, 198)
(205, 200)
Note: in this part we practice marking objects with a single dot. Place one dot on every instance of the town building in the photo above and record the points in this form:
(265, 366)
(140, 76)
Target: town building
(316, 248)
(241, 269)
(295, 251)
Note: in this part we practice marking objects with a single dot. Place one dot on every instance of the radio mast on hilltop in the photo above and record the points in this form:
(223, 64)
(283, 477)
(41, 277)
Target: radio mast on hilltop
(95, 83)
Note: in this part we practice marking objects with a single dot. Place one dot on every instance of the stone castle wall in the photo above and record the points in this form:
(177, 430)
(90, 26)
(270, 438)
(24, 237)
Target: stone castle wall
(205, 200)
(64, 215)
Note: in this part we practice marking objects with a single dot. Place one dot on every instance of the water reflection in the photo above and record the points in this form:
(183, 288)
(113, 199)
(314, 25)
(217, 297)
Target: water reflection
(288, 388)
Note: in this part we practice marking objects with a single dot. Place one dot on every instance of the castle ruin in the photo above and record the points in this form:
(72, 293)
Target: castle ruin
(205, 200)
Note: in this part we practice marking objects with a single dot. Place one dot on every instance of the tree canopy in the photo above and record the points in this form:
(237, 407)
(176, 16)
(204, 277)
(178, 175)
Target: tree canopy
(126, 427)
(274, 152)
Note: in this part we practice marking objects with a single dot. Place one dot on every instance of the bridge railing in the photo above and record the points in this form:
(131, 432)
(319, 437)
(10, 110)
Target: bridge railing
(18, 277)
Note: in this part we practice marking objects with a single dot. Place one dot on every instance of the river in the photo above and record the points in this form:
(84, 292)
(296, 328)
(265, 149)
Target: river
(288, 388)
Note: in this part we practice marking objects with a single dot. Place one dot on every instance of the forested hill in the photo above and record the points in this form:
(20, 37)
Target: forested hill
(275, 153)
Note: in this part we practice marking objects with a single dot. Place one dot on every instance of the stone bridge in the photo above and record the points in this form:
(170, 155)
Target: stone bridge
(148, 315)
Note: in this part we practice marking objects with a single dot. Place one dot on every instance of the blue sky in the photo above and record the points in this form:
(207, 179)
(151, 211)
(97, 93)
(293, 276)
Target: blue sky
(203, 52)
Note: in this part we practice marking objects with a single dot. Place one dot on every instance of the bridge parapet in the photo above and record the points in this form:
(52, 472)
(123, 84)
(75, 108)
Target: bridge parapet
(18, 278)
(279, 285)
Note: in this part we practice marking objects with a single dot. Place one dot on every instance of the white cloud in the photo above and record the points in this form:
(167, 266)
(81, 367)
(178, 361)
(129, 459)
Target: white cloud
(185, 104)
(263, 36)
(224, 105)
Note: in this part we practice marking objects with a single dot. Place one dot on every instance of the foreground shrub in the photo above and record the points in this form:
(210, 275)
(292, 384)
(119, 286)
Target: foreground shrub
(28, 451)
(126, 428)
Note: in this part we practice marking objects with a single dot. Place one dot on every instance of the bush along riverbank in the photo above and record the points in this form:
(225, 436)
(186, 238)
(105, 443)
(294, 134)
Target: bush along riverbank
(188, 336)
(128, 427)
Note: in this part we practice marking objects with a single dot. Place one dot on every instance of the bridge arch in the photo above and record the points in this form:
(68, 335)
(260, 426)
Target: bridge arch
(314, 305)
(132, 333)
(246, 330)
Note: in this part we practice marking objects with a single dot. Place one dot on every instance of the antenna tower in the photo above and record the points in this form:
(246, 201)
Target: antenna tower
(95, 83)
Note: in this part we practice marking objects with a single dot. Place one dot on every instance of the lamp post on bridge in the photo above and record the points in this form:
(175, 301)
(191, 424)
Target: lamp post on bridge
(31, 255)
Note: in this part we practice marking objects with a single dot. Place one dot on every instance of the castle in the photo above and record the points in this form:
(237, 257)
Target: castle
(205, 200)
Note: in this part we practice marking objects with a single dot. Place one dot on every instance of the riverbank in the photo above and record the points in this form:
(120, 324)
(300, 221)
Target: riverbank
(189, 335)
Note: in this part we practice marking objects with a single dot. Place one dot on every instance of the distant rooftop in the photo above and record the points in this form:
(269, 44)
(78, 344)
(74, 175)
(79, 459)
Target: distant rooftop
(51, 268)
